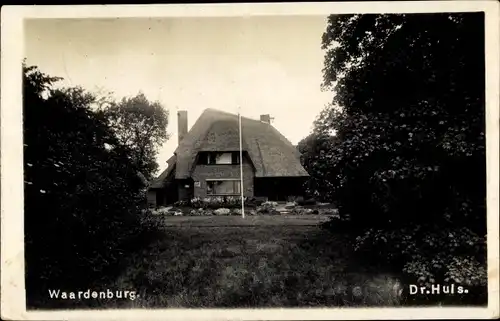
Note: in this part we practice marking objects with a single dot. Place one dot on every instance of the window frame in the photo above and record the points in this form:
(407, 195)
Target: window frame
(236, 186)
(210, 158)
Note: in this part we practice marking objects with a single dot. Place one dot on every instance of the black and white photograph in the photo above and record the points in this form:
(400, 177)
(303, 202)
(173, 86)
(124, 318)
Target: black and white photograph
(315, 160)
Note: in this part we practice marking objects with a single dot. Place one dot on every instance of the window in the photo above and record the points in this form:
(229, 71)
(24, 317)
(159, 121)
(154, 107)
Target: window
(223, 187)
(220, 158)
(226, 158)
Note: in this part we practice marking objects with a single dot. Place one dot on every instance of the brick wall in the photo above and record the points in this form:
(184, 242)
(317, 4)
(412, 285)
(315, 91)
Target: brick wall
(204, 172)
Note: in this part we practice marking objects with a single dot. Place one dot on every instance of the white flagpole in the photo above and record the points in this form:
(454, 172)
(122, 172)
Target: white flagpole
(241, 168)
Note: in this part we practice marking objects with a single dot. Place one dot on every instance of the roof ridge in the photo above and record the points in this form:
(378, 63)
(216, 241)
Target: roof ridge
(232, 114)
(270, 151)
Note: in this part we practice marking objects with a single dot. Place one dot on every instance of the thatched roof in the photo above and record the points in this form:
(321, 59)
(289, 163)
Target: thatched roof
(159, 182)
(271, 153)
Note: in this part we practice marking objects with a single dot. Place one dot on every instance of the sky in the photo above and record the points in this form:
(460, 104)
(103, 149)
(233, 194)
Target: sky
(258, 65)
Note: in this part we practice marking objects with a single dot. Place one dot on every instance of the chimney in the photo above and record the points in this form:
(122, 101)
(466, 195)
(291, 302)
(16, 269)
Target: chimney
(182, 124)
(265, 118)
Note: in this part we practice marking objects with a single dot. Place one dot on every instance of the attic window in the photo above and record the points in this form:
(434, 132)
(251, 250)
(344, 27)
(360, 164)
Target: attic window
(220, 158)
(226, 158)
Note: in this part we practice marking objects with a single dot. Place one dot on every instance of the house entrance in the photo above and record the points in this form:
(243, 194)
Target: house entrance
(186, 189)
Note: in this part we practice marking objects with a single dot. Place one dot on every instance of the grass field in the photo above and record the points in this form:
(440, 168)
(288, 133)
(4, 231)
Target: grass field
(260, 261)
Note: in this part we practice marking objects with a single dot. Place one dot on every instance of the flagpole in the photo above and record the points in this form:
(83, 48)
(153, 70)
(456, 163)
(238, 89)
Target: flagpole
(241, 168)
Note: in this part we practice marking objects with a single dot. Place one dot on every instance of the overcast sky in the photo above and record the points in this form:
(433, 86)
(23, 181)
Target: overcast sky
(266, 65)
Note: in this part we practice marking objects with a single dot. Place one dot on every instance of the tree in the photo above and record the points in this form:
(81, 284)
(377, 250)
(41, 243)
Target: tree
(408, 113)
(82, 194)
(312, 150)
(412, 101)
(141, 126)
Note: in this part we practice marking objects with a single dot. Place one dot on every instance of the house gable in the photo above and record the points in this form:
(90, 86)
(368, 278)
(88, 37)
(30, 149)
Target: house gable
(270, 153)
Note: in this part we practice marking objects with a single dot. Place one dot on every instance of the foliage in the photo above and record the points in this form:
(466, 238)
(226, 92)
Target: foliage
(402, 145)
(267, 207)
(312, 151)
(420, 252)
(141, 126)
(83, 197)
(162, 211)
(201, 212)
(306, 201)
(182, 203)
(216, 202)
(222, 211)
(151, 221)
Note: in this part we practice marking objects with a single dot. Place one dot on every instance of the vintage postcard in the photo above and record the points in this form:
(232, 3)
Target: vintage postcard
(264, 161)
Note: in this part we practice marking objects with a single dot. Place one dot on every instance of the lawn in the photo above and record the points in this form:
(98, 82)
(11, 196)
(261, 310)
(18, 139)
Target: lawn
(259, 261)
(236, 221)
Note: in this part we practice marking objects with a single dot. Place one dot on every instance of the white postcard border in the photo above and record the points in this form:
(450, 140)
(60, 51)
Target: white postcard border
(12, 234)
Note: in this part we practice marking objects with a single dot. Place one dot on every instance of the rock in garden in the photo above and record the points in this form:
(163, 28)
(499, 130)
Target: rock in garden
(222, 211)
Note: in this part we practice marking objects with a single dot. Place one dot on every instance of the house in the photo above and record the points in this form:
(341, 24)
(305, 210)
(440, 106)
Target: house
(207, 161)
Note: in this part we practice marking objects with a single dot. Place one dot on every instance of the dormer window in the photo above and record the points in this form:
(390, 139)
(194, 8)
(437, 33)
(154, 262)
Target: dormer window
(219, 158)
